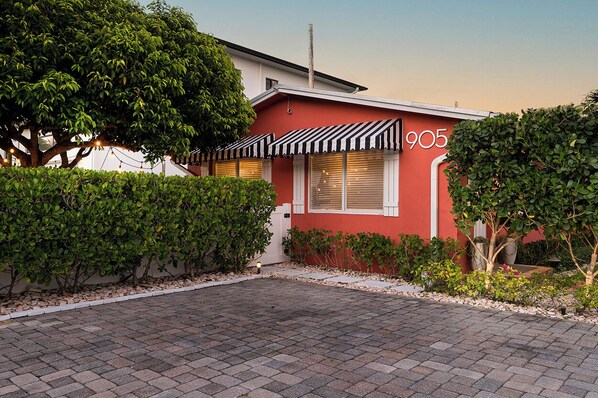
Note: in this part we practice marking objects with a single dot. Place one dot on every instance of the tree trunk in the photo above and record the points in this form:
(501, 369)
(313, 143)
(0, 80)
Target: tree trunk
(591, 270)
(491, 255)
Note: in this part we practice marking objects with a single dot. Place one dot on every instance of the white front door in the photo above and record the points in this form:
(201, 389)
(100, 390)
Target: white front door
(280, 223)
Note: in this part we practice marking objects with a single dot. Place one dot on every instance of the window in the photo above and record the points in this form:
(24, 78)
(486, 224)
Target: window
(270, 83)
(244, 168)
(349, 181)
(227, 168)
(250, 168)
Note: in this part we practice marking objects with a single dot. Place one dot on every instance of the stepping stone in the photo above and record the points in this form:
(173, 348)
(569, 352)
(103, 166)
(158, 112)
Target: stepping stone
(408, 288)
(287, 272)
(377, 284)
(344, 279)
(316, 276)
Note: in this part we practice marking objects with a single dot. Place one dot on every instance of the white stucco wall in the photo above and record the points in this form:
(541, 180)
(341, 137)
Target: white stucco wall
(254, 74)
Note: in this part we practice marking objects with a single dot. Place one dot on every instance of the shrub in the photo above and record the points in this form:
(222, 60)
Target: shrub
(541, 251)
(67, 225)
(369, 248)
(441, 276)
(587, 296)
(506, 284)
(537, 252)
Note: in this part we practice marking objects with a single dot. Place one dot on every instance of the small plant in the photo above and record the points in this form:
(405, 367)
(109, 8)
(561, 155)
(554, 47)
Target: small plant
(441, 276)
(506, 284)
(587, 296)
(369, 248)
(296, 245)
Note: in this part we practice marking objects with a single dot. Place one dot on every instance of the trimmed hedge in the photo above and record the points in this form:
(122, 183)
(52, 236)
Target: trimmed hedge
(67, 225)
(368, 251)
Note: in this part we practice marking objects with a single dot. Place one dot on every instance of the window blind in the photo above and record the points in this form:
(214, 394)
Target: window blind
(365, 180)
(227, 168)
(326, 181)
(250, 168)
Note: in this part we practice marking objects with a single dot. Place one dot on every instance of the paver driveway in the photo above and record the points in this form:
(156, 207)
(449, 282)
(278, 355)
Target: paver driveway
(276, 337)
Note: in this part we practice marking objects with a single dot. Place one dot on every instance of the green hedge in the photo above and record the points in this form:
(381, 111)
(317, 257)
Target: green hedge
(367, 251)
(67, 225)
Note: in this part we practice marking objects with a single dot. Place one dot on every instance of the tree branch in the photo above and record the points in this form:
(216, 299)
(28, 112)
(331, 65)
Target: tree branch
(59, 148)
(80, 155)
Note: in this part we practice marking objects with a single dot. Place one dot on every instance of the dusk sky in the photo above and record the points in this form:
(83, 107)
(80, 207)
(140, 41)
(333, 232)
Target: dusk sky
(502, 55)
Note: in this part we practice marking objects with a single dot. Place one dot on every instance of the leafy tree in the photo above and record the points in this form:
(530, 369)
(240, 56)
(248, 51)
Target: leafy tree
(487, 168)
(592, 97)
(80, 73)
(562, 144)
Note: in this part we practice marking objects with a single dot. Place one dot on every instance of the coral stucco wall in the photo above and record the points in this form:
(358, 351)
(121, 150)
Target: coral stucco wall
(414, 166)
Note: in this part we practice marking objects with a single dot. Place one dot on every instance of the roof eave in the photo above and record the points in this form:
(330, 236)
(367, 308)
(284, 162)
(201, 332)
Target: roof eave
(379, 102)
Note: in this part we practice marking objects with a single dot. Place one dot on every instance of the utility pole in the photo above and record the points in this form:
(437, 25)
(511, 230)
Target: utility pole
(311, 57)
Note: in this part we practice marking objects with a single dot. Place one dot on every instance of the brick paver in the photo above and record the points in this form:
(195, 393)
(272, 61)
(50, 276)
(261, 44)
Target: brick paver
(283, 338)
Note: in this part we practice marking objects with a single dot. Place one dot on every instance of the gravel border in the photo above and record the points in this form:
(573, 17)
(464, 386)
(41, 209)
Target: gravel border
(37, 303)
(439, 297)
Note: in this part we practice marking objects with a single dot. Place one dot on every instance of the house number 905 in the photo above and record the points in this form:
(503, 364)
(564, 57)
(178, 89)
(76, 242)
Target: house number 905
(427, 139)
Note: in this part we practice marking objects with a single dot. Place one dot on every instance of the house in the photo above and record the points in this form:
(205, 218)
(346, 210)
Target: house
(347, 162)
(261, 72)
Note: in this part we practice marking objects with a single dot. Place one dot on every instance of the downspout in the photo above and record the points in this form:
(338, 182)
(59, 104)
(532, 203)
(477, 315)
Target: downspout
(434, 195)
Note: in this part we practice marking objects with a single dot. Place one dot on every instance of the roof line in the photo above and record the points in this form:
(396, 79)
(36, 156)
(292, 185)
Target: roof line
(233, 46)
(379, 102)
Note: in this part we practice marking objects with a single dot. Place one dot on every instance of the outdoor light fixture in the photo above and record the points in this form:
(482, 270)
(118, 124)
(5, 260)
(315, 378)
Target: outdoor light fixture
(98, 143)
(258, 265)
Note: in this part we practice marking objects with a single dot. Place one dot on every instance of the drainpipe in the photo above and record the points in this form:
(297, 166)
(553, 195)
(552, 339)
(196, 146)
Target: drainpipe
(434, 195)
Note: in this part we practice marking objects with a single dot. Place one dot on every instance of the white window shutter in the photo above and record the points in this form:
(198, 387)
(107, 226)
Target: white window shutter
(299, 184)
(391, 183)
(267, 170)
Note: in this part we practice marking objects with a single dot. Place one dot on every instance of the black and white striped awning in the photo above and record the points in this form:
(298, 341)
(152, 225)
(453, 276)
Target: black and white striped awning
(379, 134)
(251, 146)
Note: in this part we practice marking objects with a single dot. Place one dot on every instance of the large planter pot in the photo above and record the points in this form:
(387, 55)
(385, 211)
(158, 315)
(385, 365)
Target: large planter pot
(510, 251)
(478, 263)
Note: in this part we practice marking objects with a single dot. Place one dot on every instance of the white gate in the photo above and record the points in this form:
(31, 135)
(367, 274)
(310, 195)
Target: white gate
(280, 223)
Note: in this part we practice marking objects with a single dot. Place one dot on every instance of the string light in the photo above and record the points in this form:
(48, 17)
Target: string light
(11, 151)
(126, 160)
(98, 143)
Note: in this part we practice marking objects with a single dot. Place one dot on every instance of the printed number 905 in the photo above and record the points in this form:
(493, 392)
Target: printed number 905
(427, 139)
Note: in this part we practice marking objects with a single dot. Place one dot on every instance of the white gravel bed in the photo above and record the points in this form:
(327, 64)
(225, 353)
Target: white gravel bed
(590, 317)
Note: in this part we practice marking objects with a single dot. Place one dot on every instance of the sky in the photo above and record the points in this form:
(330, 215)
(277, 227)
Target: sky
(497, 55)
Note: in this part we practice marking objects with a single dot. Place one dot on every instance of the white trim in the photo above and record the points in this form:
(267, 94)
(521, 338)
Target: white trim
(299, 184)
(434, 194)
(267, 170)
(183, 169)
(390, 202)
(378, 102)
(349, 211)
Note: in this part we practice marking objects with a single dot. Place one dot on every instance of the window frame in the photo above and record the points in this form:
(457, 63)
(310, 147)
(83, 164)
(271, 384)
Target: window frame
(265, 168)
(271, 82)
(344, 209)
